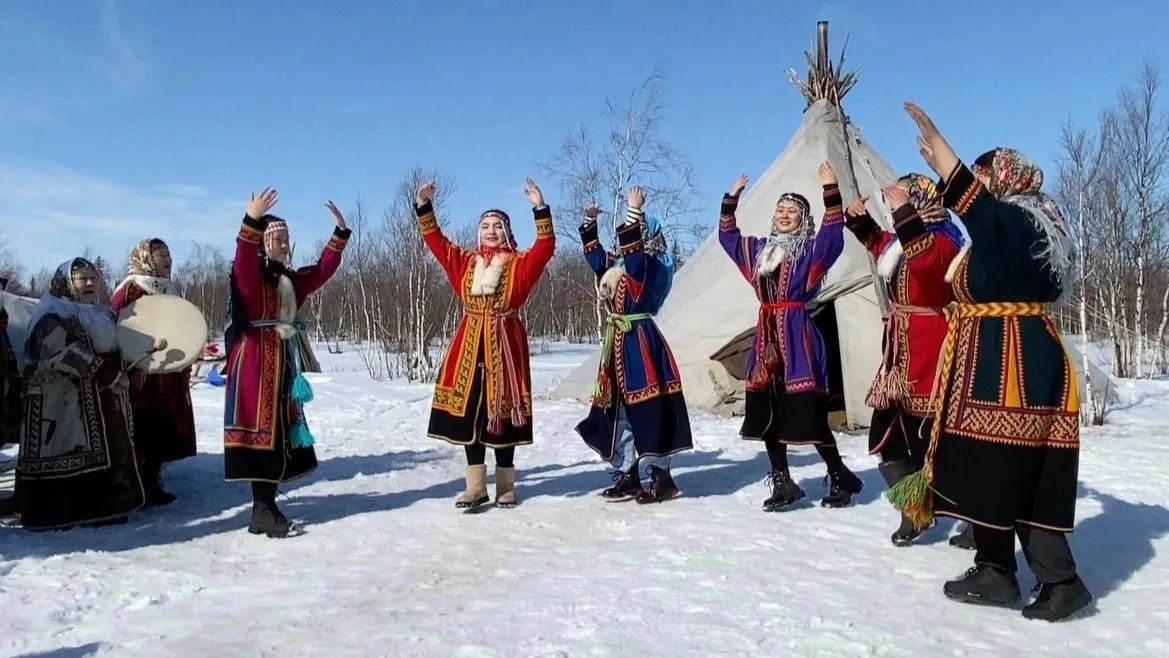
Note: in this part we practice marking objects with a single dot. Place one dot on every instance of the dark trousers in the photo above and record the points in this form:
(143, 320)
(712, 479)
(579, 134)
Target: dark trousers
(477, 455)
(1047, 552)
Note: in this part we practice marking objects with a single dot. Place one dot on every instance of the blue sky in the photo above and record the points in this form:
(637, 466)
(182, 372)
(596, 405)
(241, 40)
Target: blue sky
(122, 119)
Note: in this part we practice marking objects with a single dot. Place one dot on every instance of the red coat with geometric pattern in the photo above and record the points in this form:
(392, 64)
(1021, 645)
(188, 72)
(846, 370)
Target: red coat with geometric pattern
(913, 263)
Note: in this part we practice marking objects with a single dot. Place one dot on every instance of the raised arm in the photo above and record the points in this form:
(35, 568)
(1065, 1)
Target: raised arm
(829, 238)
(530, 265)
(632, 246)
(308, 280)
(866, 229)
(740, 248)
(451, 257)
(927, 255)
(596, 256)
(245, 268)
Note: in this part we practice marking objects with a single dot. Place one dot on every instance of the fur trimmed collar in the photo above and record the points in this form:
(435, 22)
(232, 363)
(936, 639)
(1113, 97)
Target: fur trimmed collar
(286, 310)
(771, 256)
(153, 285)
(952, 270)
(607, 288)
(485, 280)
(888, 262)
(891, 258)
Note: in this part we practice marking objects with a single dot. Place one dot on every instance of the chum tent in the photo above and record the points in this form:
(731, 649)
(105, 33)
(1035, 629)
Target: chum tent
(710, 314)
(709, 317)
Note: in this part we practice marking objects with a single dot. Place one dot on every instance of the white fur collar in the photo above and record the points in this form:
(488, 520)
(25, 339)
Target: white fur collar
(888, 262)
(770, 258)
(607, 288)
(952, 270)
(153, 285)
(286, 310)
(486, 278)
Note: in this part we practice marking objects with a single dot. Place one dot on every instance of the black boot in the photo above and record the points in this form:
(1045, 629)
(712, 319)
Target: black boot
(845, 484)
(626, 486)
(661, 487)
(266, 517)
(893, 472)
(1058, 601)
(985, 585)
(268, 520)
(152, 485)
(784, 491)
(964, 539)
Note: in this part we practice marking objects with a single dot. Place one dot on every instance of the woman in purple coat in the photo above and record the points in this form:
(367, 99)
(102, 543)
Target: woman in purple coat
(787, 367)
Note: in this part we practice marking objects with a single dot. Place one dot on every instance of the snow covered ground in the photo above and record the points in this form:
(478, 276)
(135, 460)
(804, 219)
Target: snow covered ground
(387, 566)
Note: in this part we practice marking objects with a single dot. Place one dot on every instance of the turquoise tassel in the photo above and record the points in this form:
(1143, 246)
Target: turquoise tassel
(301, 391)
(300, 436)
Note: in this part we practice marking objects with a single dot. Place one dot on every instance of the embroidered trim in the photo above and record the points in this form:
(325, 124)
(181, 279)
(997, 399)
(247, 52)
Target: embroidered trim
(543, 227)
(250, 234)
(427, 223)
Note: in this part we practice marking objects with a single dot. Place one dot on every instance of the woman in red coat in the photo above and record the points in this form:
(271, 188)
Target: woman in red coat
(164, 420)
(912, 261)
(265, 438)
(483, 398)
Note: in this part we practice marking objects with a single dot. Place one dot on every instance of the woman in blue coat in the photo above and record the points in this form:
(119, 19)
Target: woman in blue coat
(638, 415)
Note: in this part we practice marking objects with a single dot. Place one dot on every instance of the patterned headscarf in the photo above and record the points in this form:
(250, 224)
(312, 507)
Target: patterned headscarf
(1016, 179)
(142, 258)
(62, 302)
(926, 200)
(925, 197)
(61, 286)
(1010, 173)
(510, 240)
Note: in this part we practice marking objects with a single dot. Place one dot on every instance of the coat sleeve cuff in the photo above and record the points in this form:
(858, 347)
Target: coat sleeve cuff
(629, 237)
(961, 189)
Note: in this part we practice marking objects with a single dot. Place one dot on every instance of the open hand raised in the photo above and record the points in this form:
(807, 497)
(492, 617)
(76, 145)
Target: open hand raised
(532, 191)
(338, 218)
(425, 193)
(827, 176)
(636, 198)
(739, 185)
(934, 148)
(261, 203)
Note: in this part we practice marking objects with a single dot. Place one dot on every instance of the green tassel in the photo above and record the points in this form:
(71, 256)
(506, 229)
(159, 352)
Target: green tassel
(301, 391)
(300, 436)
(912, 495)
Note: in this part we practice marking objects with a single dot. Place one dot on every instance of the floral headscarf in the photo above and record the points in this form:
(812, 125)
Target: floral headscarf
(1010, 172)
(925, 197)
(926, 200)
(142, 258)
(1016, 179)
